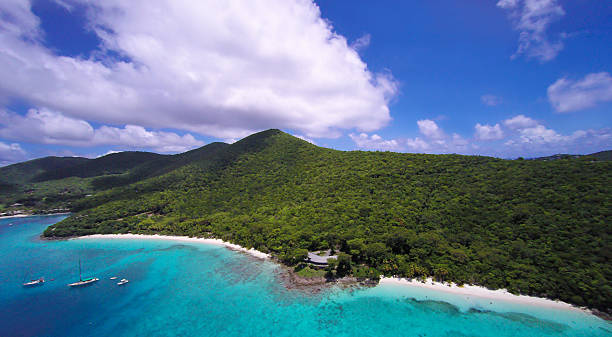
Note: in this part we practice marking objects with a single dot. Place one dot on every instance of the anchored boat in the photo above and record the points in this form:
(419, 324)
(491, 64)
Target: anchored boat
(83, 281)
(33, 283)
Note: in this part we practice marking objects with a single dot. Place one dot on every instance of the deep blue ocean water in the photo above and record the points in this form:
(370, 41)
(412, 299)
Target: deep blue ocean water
(184, 289)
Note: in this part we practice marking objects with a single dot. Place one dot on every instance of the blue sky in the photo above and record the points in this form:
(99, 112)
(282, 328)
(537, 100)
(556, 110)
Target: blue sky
(504, 78)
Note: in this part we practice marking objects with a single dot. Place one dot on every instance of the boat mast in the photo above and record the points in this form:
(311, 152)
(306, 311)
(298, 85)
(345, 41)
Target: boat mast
(80, 270)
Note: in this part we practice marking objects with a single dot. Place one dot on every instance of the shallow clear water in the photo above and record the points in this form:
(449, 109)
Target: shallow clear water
(185, 289)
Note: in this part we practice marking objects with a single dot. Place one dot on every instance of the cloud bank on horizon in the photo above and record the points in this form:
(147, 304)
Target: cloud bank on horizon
(166, 73)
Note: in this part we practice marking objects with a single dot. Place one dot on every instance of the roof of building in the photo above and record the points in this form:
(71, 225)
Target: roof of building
(315, 258)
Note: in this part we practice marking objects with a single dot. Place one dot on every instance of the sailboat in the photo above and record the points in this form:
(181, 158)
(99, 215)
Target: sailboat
(83, 281)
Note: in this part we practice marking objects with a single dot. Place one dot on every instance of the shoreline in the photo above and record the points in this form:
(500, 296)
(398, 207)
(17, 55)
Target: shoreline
(452, 288)
(483, 293)
(29, 215)
(210, 241)
(16, 216)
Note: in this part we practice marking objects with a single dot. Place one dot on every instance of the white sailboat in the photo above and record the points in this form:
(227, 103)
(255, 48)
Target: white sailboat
(83, 281)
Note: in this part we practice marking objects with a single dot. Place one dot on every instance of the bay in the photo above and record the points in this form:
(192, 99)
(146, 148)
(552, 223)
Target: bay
(191, 289)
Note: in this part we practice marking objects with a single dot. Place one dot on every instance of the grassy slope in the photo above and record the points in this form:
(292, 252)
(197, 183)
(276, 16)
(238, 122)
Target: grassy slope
(536, 227)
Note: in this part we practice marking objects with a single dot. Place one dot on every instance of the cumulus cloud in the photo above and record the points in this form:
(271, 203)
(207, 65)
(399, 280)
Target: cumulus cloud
(527, 137)
(435, 141)
(488, 132)
(430, 129)
(48, 127)
(10, 153)
(218, 68)
(361, 43)
(306, 139)
(520, 122)
(567, 95)
(490, 100)
(513, 137)
(375, 142)
(532, 18)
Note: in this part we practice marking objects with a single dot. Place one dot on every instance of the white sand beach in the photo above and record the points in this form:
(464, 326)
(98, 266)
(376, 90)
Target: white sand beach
(29, 215)
(15, 216)
(480, 292)
(217, 242)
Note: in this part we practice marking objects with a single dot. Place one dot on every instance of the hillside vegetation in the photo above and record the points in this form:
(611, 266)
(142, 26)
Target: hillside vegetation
(534, 227)
(50, 183)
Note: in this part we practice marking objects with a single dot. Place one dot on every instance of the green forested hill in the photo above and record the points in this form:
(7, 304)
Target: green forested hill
(52, 182)
(535, 227)
(602, 155)
(21, 173)
(114, 163)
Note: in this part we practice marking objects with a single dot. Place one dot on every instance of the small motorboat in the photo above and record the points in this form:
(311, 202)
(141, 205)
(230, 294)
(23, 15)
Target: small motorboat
(113, 278)
(122, 282)
(32, 283)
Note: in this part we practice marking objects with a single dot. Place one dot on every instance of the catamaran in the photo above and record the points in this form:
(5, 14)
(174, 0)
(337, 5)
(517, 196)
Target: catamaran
(122, 282)
(83, 281)
(32, 283)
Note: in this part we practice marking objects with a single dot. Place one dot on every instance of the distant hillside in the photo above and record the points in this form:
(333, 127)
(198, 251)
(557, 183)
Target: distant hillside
(534, 227)
(24, 172)
(114, 163)
(56, 182)
(603, 155)
(158, 166)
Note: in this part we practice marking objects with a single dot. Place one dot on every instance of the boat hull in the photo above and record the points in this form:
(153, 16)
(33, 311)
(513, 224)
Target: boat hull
(36, 284)
(84, 283)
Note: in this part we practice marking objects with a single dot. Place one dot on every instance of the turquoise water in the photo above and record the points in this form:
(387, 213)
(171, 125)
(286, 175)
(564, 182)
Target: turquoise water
(184, 289)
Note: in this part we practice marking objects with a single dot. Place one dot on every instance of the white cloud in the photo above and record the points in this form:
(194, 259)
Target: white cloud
(417, 144)
(507, 4)
(219, 68)
(45, 127)
(520, 122)
(375, 142)
(540, 135)
(430, 129)
(108, 152)
(567, 95)
(532, 18)
(306, 139)
(490, 100)
(361, 43)
(513, 137)
(436, 141)
(134, 136)
(529, 138)
(10, 153)
(488, 132)
(48, 127)
(17, 19)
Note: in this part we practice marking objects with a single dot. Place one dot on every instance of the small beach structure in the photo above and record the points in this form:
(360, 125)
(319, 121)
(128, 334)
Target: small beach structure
(320, 258)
